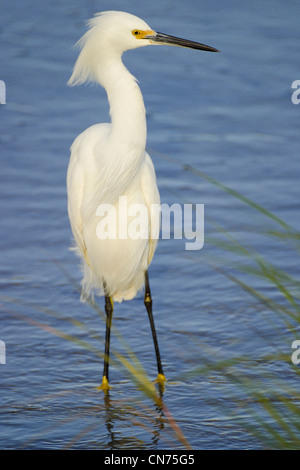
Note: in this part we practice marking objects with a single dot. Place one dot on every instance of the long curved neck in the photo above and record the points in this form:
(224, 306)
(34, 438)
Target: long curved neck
(125, 146)
(127, 110)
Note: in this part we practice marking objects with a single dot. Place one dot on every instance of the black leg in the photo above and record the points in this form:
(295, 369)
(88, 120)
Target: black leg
(109, 312)
(148, 303)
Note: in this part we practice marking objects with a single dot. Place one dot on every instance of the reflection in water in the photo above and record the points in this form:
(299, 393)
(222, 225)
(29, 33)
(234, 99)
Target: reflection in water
(109, 421)
(153, 421)
(237, 134)
(158, 426)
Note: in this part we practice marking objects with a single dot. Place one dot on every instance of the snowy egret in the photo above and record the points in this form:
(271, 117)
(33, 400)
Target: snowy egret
(108, 161)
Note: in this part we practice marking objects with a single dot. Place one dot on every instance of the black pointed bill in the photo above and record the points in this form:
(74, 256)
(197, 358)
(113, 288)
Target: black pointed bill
(161, 38)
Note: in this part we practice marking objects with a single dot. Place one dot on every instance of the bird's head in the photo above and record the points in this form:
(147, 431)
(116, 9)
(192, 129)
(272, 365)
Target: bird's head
(113, 32)
(118, 31)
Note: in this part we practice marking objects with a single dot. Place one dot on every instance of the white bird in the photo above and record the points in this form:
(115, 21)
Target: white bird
(108, 161)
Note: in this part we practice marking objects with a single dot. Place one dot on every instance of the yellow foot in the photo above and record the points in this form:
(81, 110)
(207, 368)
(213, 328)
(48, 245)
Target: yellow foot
(161, 380)
(104, 386)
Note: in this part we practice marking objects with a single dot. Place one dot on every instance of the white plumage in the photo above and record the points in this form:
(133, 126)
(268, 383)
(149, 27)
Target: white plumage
(109, 162)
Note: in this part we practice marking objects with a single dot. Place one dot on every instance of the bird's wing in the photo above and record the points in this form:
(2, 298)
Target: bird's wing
(151, 195)
(81, 177)
(75, 189)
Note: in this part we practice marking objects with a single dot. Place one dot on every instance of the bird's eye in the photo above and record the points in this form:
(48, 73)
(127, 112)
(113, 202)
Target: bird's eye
(135, 32)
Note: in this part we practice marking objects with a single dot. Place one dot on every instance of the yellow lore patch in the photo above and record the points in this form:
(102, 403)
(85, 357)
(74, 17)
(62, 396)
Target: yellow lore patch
(139, 34)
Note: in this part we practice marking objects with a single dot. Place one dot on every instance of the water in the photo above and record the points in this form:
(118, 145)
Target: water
(229, 115)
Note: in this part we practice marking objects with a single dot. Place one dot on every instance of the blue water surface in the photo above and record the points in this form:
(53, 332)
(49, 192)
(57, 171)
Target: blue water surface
(229, 115)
